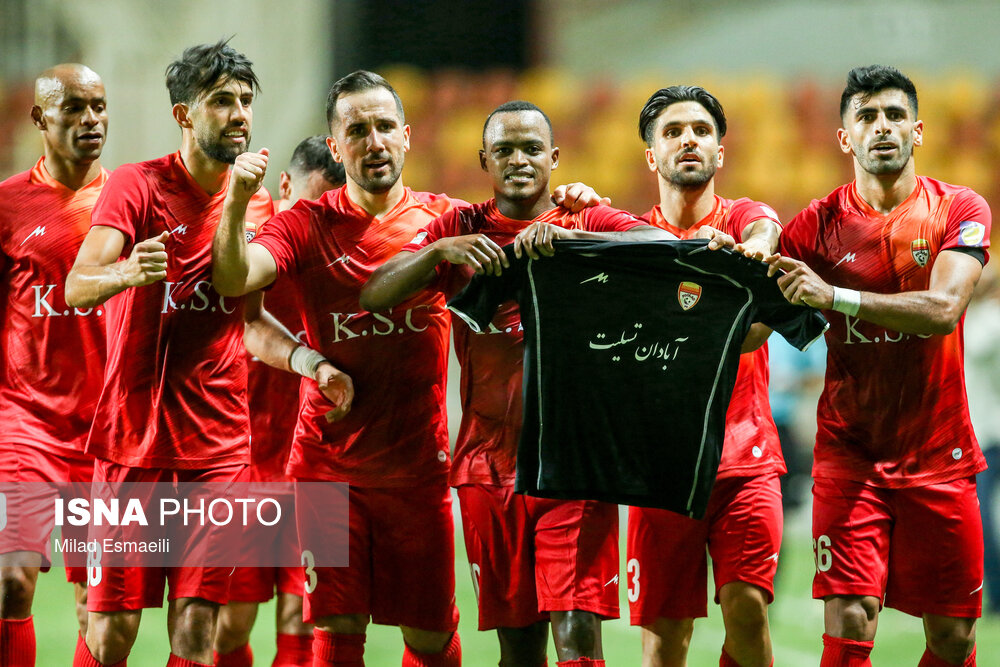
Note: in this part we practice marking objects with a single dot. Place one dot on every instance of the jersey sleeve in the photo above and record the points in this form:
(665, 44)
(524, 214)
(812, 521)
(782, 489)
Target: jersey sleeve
(799, 235)
(124, 204)
(606, 219)
(478, 301)
(747, 211)
(968, 226)
(285, 236)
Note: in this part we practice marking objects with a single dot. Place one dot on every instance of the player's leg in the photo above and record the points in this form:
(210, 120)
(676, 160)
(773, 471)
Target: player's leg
(665, 642)
(191, 625)
(413, 576)
(666, 574)
(943, 586)
(852, 524)
(295, 636)
(232, 634)
(110, 636)
(80, 597)
(499, 545)
(744, 542)
(17, 591)
(576, 572)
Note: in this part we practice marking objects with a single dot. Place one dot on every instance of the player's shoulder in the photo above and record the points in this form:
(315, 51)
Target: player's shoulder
(958, 192)
(832, 204)
(746, 206)
(438, 203)
(140, 172)
(16, 182)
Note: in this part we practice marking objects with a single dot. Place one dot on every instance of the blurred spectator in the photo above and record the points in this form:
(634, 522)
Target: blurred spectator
(982, 381)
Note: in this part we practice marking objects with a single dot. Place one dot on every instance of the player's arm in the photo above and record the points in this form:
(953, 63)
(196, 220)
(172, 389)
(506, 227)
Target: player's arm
(97, 275)
(239, 267)
(409, 272)
(267, 339)
(936, 310)
(756, 337)
(759, 239)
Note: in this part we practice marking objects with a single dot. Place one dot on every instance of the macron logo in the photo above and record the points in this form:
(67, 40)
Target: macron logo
(612, 580)
(343, 258)
(180, 229)
(600, 277)
(37, 231)
(849, 257)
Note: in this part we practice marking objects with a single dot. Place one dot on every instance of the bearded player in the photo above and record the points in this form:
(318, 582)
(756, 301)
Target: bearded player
(892, 258)
(173, 405)
(53, 356)
(666, 569)
(273, 401)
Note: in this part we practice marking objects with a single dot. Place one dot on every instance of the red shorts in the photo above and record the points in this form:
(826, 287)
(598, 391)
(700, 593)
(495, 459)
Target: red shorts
(530, 556)
(667, 569)
(258, 584)
(130, 588)
(919, 549)
(28, 512)
(402, 560)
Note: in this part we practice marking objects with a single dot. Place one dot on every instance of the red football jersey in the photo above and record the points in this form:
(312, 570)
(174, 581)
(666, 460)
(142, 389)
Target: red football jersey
(893, 412)
(751, 446)
(174, 391)
(396, 433)
(273, 394)
(52, 355)
(491, 361)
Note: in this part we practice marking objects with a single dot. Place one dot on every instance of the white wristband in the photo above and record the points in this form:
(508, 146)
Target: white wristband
(305, 360)
(846, 301)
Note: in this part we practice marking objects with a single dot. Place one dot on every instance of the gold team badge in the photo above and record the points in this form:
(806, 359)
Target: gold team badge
(251, 230)
(688, 294)
(921, 251)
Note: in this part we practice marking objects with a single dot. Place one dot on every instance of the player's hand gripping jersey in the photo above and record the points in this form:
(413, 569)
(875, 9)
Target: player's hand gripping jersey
(893, 412)
(614, 334)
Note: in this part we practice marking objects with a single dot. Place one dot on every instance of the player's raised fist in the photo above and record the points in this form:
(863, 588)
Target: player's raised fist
(248, 174)
(578, 196)
(148, 261)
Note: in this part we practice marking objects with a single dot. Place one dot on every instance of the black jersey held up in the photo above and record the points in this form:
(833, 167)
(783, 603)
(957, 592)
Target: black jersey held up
(631, 354)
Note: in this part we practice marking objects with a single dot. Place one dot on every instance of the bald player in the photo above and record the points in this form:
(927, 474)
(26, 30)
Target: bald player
(273, 398)
(52, 356)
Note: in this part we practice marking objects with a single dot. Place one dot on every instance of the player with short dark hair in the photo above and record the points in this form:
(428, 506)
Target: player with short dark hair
(173, 403)
(52, 356)
(533, 560)
(273, 401)
(666, 568)
(892, 258)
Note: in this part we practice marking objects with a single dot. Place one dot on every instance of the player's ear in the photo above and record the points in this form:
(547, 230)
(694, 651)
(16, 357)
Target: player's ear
(555, 157)
(845, 141)
(918, 133)
(722, 152)
(182, 114)
(37, 117)
(406, 138)
(650, 159)
(482, 160)
(284, 185)
(332, 145)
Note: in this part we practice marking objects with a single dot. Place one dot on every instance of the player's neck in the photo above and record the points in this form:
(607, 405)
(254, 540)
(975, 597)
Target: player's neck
(683, 207)
(207, 172)
(884, 192)
(525, 209)
(376, 204)
(74, 175)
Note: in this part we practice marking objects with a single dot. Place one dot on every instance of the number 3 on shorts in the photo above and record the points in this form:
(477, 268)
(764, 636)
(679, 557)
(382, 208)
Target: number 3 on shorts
(94, 571)
(309, 562)
(633, 583)
(822, 553)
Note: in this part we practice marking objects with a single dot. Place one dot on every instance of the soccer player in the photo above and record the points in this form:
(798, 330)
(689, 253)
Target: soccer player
(273, 401)
(892, 258)
(683, 127)
(53, 356)
(532, 559)
(173, 407)
(391, 445)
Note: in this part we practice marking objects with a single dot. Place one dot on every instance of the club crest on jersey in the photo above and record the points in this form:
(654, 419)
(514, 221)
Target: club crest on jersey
(921, 251)
(688, 294)
(972, 233)
(251, 231)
